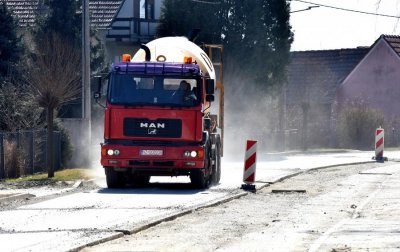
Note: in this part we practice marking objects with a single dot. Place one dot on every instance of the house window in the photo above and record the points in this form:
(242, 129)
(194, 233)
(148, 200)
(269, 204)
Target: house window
(147, 9)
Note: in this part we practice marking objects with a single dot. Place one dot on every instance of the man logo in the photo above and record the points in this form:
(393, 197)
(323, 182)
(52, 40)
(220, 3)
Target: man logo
(152, 125)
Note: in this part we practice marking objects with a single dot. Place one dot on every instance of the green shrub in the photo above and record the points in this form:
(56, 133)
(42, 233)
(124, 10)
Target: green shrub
(357, 124)
(66, 144)
(14, 160)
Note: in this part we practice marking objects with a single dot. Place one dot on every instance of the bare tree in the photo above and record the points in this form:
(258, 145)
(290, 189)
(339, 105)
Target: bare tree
(18, 109)
(54, 73)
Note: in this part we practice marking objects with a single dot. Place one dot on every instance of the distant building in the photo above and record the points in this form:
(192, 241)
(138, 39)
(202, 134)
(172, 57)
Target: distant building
(321, 82)
(313, 78)
(376, 78)
(122, 24)
(125, 24)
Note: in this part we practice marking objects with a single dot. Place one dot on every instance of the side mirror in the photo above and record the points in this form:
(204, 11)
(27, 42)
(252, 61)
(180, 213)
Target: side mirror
(207, 123)
(210, 98)
(97, 94)
(210, 86)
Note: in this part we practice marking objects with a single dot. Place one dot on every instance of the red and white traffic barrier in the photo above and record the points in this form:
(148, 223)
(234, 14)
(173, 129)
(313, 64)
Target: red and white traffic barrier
(379, 144)
(250, 162)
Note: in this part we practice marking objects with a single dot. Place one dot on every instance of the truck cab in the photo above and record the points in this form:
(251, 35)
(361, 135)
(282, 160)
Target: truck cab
(157, 123)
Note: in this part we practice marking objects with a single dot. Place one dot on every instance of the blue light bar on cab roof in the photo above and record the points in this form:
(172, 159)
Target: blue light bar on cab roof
(157, 68)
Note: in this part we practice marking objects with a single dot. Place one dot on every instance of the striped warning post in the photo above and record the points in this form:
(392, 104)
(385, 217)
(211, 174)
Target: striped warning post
(379, 143)
(249, 173)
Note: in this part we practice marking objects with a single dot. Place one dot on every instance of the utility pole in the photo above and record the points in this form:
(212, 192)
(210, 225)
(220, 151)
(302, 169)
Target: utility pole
(86, 97)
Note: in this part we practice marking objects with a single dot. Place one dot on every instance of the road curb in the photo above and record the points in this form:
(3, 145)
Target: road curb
(315, 169)
(16, 197)
(112, 237)
(173, 216)
(185, 212)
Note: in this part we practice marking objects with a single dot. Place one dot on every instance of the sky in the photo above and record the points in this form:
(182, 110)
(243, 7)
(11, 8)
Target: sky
(326, 28)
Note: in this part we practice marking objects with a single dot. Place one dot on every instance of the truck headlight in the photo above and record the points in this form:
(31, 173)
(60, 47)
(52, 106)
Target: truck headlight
(192, 154)
(111, 152)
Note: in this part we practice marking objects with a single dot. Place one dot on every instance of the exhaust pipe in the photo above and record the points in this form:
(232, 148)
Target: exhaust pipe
(147, 51)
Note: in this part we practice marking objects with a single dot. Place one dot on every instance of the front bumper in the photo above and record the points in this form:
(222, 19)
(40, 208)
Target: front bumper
(157, 158)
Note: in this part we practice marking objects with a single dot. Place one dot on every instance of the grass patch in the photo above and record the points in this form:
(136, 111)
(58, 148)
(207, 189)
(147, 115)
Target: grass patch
(63, 175)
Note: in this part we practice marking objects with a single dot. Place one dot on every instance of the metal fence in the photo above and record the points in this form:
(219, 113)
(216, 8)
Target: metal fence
(24, 152)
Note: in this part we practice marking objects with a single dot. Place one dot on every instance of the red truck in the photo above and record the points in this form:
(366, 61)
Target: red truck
(157, 116)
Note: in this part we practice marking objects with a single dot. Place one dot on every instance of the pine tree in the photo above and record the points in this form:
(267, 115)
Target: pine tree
(180, 17)
(10, 43)
(256, 34)
(63, 19)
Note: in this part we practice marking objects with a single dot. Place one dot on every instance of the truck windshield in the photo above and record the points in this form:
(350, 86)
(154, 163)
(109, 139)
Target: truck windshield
(128, 89)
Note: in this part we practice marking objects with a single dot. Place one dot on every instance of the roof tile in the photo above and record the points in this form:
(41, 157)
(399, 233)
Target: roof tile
(393, 41)
(102, 12)
(313, 76)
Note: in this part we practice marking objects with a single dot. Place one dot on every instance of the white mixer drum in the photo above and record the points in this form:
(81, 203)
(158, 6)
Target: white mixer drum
(173, 50)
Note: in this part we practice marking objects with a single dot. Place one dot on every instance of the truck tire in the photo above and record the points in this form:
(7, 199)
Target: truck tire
(114, 179)
(199, 179)
(217, 165)
(140, 180)
(216, 157)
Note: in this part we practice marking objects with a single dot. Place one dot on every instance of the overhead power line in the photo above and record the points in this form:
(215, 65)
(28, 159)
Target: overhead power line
(205, 2)
(349, 10)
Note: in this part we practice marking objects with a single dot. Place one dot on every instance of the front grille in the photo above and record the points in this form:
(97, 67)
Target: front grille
(142, 127)
(148, 163)
(139, 162)
(163, 163)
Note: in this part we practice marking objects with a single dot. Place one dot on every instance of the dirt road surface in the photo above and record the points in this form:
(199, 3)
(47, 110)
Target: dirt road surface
(347, 208)
(69, 217)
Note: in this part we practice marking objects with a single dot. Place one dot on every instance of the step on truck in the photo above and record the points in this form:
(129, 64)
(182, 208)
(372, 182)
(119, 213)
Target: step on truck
(158, 119)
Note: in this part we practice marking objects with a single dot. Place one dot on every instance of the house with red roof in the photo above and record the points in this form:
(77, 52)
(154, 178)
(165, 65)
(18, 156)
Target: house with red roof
(376, 78)
(321, 83)
(313, 78)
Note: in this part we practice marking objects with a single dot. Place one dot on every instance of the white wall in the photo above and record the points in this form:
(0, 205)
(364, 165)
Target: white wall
(126, 10)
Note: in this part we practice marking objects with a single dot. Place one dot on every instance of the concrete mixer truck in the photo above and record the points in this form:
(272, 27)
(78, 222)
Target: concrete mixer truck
(158, 117)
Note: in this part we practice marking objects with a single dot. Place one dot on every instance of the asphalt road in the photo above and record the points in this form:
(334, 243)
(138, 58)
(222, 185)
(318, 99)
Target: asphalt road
(346, 208)
(74, 219)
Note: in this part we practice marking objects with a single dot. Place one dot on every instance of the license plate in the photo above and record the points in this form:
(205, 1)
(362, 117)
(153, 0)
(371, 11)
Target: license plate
(151, 152)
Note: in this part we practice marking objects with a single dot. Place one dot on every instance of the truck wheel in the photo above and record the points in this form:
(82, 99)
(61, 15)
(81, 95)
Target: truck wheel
(217, 176)
(114, 179)
(216, 157)
(140, 180)
(199, 179)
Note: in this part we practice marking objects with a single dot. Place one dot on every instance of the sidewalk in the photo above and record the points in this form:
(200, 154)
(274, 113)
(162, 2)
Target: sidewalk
(271, 168)
(10, 194)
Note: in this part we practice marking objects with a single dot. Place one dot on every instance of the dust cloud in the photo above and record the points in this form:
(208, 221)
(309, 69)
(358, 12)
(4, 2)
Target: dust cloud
(251, 113)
